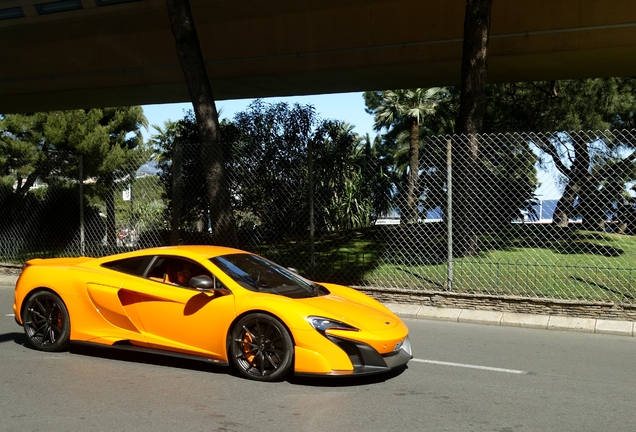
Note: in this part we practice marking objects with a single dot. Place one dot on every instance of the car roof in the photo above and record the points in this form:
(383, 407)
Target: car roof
(207, 251)
(192, 251)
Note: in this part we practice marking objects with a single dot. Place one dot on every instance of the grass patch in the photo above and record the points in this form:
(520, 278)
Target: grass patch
(542, 261)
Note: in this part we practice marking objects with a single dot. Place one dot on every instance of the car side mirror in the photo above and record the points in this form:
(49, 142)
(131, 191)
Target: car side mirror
(206, 283)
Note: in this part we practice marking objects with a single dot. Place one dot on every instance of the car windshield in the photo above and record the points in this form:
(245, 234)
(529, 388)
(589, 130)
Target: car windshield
(258, 274)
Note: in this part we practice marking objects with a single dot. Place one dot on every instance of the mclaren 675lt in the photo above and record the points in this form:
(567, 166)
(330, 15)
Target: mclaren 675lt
(221, 305)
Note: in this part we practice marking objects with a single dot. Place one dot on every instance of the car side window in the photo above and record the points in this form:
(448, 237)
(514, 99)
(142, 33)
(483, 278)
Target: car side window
(134, 266)
(175, 271)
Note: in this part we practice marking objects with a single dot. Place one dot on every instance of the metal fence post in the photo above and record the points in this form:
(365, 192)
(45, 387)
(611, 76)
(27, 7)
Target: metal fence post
(449, 212)
(81, 203)
(310, 181)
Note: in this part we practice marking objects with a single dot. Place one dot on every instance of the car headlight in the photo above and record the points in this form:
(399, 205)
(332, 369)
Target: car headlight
(323, 324)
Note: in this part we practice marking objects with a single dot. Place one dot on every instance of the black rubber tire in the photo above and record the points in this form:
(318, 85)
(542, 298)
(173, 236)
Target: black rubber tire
(261, 348)
(46, 322)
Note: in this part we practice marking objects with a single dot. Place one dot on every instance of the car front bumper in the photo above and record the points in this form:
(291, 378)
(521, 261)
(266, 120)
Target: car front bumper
(366, 360)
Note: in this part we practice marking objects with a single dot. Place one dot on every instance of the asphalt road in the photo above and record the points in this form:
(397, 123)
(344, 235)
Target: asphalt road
(465, 377)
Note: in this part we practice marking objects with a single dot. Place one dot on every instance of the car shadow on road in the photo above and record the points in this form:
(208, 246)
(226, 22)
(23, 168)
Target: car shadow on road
(147, 358)
(345, 380)
(205, 366)
(16, 337)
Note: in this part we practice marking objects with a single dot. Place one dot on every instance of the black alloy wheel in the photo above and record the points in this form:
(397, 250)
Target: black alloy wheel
(46, 322)
(261, 348)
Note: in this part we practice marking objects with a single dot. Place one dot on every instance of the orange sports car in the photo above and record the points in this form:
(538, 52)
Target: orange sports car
(211, 303)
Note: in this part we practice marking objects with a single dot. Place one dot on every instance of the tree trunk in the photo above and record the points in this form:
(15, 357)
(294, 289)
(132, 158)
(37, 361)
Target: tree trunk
(469, 123)
(414, 169)
(191, 59)
(565, 205)
(592, 215)
(472, 104)
(581, 187)
(591, 207)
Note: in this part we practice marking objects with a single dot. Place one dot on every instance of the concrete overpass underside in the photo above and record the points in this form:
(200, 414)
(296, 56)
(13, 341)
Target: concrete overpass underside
(91, 53)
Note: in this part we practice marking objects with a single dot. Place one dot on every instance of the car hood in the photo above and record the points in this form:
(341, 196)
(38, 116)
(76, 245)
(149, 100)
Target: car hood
(352, 312)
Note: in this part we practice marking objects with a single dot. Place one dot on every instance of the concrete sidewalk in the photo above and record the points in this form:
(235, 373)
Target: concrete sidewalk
(548, 322)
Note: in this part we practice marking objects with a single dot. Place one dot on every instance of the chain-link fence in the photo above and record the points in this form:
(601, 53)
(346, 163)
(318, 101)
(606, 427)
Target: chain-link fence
(534, 215)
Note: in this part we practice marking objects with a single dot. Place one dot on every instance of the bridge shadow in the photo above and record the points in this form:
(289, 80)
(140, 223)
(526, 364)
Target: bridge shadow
(112, 353)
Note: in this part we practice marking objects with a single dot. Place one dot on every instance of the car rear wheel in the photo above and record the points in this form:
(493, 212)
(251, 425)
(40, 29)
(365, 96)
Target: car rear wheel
(46, 322)
(261, 348)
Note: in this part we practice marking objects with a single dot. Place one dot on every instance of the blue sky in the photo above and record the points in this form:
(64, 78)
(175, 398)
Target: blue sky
(348, 107)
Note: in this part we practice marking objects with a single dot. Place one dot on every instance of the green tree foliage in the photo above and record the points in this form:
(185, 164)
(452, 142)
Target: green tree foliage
(268, 168)
(182, 177)
(44, 222)
(351, 186)
(376, 164)
(595, 167)
(266, 160)
(163, 141)
(46, 147)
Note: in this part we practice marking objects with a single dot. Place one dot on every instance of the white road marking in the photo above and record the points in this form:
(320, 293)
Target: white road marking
(11, 315)
(488, 368)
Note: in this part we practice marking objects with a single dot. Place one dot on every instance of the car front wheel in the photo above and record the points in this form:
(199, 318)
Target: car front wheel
(261, 347)
(46, 322)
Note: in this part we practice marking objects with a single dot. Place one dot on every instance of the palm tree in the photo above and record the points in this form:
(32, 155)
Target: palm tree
(166, 138)
(402, 109)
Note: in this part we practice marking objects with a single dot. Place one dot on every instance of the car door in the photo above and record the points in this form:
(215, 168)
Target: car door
(179, 318)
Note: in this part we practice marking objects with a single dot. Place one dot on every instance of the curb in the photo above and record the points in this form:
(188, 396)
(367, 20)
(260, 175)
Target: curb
(546, 322)
(8, 280)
